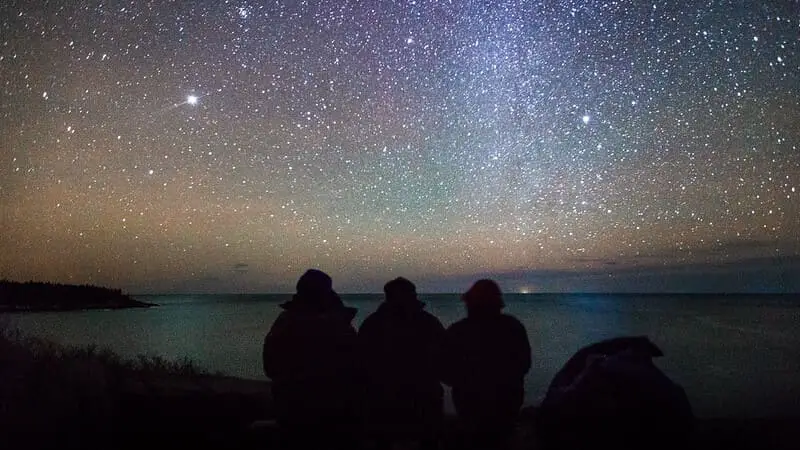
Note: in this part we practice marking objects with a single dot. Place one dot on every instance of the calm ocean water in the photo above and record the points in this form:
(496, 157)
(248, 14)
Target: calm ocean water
(735, 356)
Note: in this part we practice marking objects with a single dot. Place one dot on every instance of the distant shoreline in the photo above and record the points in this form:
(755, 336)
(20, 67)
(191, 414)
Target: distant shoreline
(49, 297)
(10, 309)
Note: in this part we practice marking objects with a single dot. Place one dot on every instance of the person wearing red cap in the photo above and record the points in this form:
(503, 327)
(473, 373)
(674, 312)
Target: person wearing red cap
(310, 353)
(487, 355)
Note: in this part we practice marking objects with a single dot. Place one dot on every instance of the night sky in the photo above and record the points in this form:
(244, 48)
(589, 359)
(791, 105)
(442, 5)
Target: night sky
(226, 146)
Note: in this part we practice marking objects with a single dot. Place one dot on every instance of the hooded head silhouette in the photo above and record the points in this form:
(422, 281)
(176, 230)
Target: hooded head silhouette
(400, 290)
(314, 283)
(315, 293)
(484, 296)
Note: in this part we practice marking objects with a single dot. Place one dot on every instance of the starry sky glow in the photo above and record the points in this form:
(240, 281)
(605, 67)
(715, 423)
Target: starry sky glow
(556, 145)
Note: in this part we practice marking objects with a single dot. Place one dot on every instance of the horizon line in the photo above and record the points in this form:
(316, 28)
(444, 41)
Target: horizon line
(623, 293)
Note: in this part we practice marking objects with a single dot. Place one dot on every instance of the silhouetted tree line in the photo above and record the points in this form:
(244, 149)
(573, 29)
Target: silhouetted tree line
(38, 296)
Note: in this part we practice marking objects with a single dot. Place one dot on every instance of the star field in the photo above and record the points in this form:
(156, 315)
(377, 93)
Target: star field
(230, 145)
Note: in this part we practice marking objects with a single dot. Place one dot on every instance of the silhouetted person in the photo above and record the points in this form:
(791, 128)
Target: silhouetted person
(488, 355)
(310, 354)
(611, 395)
(401, 345)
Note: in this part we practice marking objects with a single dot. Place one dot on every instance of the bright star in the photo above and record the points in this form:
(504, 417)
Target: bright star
(586, 119)
(191, 99)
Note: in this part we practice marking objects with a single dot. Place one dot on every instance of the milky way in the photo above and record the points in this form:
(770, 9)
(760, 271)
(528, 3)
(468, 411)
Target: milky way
(227, 146)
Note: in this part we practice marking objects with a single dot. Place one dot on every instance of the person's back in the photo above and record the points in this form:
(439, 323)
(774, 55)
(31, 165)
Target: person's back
(310, 355)
(400, 349)
(488, 355)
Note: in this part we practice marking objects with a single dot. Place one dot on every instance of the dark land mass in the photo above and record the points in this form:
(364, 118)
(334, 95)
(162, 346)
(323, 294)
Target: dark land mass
(55, 396)
(35, 296)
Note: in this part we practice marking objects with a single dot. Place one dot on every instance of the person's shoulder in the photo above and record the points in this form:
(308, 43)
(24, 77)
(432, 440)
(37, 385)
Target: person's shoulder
(429, 318)
(511, 321)
(429, 324)
(371, 321)
(508, 318)
(459, 326)
(283, 318)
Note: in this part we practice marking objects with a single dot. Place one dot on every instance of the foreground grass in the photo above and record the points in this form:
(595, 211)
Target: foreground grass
(20, 349)
(43, 383)
(50, 393)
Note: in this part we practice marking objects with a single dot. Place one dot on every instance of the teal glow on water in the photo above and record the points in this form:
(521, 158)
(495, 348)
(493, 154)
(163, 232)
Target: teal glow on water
(736, 356)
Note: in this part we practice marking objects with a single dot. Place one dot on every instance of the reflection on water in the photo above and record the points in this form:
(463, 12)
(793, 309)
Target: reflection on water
(734, 356)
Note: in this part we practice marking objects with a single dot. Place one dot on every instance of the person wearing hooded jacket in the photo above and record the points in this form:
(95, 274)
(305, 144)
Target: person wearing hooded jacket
(487, 356)
(400, 349)
(310, 354)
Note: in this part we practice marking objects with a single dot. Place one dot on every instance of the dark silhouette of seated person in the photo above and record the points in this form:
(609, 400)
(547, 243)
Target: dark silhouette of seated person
(611, 395)
(400, 347)
(488, 355)
(310, 353)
